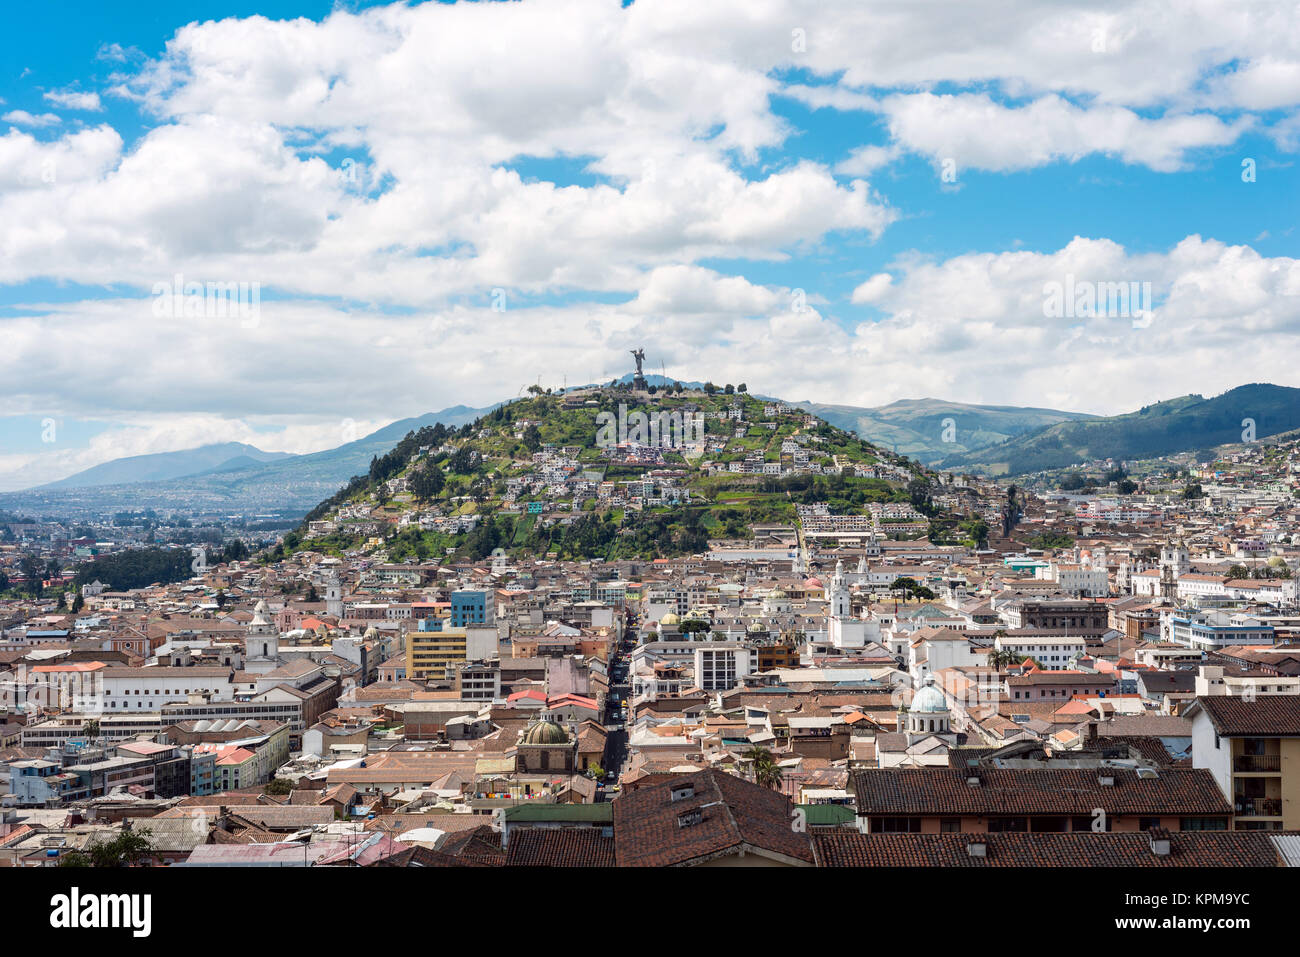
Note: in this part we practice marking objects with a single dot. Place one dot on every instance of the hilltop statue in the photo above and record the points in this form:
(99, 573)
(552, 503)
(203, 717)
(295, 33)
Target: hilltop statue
(638, 381)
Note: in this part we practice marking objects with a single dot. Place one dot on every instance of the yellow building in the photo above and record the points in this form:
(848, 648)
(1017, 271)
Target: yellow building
(435, 654)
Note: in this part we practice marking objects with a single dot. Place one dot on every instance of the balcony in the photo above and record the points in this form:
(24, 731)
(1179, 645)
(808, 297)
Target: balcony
(1257, 762)
(1258, 807)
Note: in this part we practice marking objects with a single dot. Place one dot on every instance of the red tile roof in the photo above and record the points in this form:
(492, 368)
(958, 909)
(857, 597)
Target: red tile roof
(845, 848)
(723, 815)
(560, 847)
(1045, 791)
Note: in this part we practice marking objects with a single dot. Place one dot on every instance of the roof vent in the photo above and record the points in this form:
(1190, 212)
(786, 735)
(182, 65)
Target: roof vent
(1106, 780)
(680, 792)
(977, 849)
(691, 817)
(1159, 841)
(973, 780)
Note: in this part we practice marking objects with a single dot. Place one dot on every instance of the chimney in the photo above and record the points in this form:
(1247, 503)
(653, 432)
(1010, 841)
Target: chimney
(1159, 841)
(1106, 780)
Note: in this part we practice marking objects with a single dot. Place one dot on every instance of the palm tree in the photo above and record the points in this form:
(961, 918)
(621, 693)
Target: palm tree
(766, 772)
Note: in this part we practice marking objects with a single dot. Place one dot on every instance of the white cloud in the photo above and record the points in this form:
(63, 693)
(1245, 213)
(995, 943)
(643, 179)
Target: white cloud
(27, 163)
(74, 100)
(36, 121)
(976, 132)
(973, 327)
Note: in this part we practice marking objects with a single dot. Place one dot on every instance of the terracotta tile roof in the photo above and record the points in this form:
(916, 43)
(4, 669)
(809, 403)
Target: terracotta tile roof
(723, 814)
(1272, 715)
(1024, 791)
(482, 845)
(421, 857)
(560, 847)
(1149, 746)
(845, 848)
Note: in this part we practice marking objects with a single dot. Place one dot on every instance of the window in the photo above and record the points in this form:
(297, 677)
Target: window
(896, 825)
(999, 825)
(950, 825)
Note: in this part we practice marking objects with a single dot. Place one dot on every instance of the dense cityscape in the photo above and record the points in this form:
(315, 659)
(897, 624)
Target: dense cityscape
(956, 667)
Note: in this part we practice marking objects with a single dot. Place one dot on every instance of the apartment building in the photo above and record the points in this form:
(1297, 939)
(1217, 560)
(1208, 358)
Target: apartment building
(1252, 748)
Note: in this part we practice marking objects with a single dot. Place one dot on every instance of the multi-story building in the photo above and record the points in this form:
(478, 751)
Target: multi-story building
(472, 606)
(479, 681)
(1052, 652)
(720, 666)
(1252, 747)
(1211, 630)
(436, 654)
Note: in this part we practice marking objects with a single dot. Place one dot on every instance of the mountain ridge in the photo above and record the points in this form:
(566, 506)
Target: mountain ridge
(1181, 424)
(161, 466)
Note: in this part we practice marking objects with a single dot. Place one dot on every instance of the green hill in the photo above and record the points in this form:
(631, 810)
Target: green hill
(1183, 424)
(545, 475)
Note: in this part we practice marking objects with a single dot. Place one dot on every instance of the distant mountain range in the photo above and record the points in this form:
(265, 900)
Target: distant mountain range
(996, 440)
(243, 480)
(160, 466)
(1184, 424)
(930, 430)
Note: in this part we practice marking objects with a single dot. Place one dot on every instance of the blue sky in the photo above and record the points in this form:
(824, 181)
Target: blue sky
(544, 184)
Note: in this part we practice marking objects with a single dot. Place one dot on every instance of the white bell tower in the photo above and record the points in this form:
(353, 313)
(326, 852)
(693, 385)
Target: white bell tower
(333, 595)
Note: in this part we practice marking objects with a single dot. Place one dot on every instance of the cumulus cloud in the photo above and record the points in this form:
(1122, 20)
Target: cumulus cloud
(374, 172)
(36, 121)
(975, 132)
(74, 100)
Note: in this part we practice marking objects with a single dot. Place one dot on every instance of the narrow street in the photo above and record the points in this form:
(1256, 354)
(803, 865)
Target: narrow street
(616, 715)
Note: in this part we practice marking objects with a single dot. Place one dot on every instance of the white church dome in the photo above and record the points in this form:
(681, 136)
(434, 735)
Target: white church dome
(929, 700)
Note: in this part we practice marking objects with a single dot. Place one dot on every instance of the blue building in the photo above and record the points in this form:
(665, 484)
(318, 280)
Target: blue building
(472, 607)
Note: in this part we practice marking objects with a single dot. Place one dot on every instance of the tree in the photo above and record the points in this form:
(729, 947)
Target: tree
(1238, 571)
(693, 626)
(278, 786)
(532, 438)
(766, 771)
(426, 483)
(905, 585)
(742, 388)
(127, 849)
(30, 566)
(464, 461)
